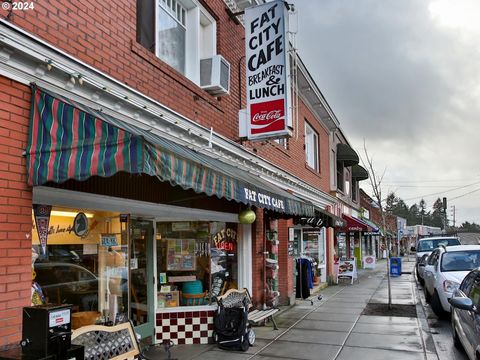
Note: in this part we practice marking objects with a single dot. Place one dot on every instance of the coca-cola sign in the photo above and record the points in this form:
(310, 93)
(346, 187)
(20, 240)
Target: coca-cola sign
(268, 89)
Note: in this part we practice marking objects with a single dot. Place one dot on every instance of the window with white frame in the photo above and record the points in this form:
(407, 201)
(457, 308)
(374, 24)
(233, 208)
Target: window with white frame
(283, 142)
(179, 32)
(311, 147)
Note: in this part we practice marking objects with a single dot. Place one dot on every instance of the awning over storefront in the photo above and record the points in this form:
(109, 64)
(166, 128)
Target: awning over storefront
(68, 140)
(322, 218)
(359, 173)
(354, 224)
(347, 155)
(375, 228)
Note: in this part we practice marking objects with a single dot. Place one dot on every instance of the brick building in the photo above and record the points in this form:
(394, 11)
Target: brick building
(142, 171)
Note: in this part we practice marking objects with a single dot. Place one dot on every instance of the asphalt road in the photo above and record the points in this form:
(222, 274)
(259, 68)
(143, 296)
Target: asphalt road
(441, 331)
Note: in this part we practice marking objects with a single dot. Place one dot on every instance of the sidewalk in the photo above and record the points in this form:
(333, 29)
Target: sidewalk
(335, 328)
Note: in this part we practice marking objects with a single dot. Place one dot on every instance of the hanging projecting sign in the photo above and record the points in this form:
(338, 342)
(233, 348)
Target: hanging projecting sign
(268, 88)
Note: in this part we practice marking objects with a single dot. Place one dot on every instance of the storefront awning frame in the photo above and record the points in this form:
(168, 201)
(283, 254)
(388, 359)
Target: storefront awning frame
(354, 224)
(102, 145)
(347, 155)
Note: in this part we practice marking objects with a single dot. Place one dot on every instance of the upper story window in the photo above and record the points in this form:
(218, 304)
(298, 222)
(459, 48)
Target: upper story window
(283, 142)
(340, 176)
(179, 32)
(354, 190)
(311, 147)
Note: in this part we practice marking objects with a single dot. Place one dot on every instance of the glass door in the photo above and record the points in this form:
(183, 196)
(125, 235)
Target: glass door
(142, 311)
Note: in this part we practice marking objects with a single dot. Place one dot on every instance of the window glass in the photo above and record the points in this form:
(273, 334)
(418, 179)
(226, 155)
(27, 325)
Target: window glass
(354, 190)
(475, 292)
(171, 39)
(87, 268)
(340, 176)
(460, 260)
(311, 147)
(429, 245)
(466, 284)
(195, 259)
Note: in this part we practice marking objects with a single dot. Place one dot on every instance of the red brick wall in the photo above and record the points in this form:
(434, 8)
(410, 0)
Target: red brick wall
(15, 210)
(103, 34)
(285, 263)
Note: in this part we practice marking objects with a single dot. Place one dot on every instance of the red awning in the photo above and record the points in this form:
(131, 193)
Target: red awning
(354, 224)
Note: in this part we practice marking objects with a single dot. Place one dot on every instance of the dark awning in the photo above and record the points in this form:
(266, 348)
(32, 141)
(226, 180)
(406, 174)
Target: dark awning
(322, 218)
(68, 140)
(347, 155)
(354, 224)
(359, 173)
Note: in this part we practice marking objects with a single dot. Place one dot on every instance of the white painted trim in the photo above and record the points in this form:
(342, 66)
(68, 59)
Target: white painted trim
(162, 212)
(28, 64)
(244, 254)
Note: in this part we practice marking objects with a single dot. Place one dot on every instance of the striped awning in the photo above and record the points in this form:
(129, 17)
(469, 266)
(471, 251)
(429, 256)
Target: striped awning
(68, 140)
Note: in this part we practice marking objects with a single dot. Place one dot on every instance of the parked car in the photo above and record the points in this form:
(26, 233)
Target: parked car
(424, 248)
(445, 269)
(67, 283)
(465, 315)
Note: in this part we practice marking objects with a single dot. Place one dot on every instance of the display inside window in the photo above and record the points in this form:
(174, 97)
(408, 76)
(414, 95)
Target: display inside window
(181, 254)
(196, 261)
(87, 271)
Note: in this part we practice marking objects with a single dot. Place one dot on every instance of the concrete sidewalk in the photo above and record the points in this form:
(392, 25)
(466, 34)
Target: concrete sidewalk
(335, 328)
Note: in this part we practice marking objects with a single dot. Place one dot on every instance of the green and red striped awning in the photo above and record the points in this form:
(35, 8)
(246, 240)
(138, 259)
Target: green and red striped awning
(68, 140)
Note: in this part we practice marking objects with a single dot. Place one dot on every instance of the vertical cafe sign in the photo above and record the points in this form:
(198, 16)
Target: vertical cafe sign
(268, 87)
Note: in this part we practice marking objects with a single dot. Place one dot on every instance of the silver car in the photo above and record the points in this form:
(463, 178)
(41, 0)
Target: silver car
(466, 316)
(424, 248)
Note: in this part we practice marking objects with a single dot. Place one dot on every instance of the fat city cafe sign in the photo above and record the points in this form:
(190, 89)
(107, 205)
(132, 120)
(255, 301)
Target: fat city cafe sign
(268, 88)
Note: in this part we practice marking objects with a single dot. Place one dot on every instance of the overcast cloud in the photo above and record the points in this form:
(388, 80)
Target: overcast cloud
(405, 77)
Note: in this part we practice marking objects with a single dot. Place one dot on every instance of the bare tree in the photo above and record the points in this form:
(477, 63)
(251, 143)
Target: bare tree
(376, 184)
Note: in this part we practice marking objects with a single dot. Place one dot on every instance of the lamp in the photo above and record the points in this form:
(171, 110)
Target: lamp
(246, 216)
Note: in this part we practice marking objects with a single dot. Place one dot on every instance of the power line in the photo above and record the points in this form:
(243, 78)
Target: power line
(468, 193)
(442, 192)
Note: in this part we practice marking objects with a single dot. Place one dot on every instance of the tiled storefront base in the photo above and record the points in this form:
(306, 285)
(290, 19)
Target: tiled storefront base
(185, 327)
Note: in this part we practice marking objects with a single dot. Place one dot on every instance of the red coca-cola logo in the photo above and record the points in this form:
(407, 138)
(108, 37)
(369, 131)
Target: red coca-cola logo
(267, 116)
(271, 115)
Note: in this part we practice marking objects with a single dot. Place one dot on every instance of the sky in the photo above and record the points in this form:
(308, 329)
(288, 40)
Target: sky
(403, 79)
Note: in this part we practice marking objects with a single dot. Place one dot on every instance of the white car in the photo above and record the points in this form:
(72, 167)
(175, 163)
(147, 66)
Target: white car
(444, 271)
(424, 248)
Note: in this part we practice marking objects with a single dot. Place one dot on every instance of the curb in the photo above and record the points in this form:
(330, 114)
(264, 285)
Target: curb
(429, 346)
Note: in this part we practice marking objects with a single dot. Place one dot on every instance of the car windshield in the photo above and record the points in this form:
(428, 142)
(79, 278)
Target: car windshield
(429, 245)
(460, 260)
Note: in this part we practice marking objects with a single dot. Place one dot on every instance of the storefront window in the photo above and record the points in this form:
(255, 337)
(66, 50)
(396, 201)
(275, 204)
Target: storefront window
(82, 263)
(341, 246)
(196, 261)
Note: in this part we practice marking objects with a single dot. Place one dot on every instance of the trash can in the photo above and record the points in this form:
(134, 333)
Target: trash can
(395, 266)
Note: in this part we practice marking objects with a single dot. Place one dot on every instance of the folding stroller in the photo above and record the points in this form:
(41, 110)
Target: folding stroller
(232, 329)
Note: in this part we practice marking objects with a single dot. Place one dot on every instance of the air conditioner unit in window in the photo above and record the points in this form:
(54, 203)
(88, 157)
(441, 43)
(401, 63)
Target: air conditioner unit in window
(215, 75)
(243, 4)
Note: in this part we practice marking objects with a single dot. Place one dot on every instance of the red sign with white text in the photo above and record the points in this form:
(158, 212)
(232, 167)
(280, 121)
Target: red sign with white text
(267, 116)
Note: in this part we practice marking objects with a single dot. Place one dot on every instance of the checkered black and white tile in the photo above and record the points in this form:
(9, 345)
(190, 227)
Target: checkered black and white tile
(190, 327)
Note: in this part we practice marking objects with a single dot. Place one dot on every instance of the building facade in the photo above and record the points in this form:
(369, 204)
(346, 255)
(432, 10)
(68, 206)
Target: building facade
(123, 170)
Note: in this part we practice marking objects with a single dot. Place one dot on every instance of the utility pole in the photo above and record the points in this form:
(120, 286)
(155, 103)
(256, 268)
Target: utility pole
(445, 213)
(453, 213)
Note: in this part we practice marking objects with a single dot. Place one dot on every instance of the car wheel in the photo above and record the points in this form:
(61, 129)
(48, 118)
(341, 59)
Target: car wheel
(456, 339)
(428, 297)
(420, 280)
(437, 305)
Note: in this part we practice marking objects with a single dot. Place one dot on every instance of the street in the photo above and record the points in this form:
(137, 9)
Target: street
(441, 331)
